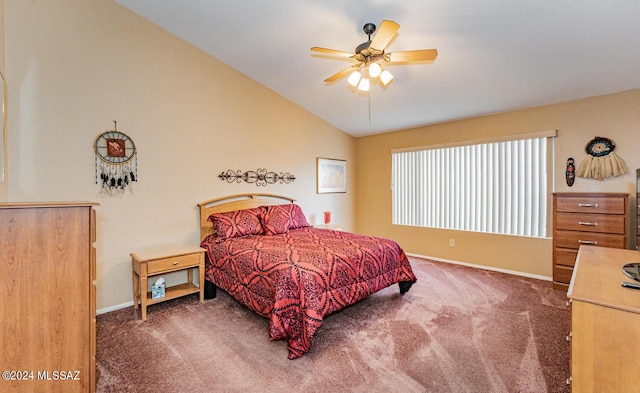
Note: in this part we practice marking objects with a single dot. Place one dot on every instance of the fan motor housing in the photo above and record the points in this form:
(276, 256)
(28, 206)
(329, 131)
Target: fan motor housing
(366, 54)
(363, 52)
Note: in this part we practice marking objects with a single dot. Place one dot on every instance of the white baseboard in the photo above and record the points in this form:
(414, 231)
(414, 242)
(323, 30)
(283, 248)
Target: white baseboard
(114, 308)
(495, 269)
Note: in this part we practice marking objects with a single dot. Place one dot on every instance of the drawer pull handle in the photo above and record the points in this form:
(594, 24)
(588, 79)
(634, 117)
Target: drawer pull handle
(587, 204)
(588, 224)
(588, 242)
(175, 263)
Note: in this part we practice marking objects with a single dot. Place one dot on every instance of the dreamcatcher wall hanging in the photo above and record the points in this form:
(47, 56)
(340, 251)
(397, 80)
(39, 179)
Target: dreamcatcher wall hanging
(116, 161)
(601, 162)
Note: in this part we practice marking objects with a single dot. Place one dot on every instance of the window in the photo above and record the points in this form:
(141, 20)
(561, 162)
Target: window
(494, 187)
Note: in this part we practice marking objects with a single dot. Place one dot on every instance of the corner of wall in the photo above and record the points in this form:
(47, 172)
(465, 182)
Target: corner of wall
(4, 188)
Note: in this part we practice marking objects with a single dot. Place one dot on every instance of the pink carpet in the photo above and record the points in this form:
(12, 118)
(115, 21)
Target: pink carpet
(458, 330)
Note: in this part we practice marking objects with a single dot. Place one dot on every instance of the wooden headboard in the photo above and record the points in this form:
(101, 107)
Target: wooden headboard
(235, 202)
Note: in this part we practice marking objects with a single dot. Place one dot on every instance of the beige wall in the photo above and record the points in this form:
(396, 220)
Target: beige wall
(616, 116)
(3, 157)
(74, 66)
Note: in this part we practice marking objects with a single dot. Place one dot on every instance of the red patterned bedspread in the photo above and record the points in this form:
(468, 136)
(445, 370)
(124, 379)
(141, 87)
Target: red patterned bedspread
(297, 278)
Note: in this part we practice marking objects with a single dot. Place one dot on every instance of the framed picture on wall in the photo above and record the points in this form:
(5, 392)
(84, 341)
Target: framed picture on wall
(331, 175)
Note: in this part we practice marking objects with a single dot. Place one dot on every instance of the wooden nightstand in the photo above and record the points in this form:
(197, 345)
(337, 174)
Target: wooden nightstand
(149, 263)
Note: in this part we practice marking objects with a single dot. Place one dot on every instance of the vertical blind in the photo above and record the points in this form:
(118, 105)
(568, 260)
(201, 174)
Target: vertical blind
(498, 187)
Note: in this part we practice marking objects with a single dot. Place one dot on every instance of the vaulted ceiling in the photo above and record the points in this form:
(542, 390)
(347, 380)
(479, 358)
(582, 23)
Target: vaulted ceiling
(494, 55)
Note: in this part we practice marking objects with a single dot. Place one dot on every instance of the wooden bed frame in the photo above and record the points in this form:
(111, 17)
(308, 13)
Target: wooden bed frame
(288, 272)
(231, 203)
(235, 202)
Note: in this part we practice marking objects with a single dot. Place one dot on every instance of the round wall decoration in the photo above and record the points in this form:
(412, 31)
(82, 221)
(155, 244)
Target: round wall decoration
(116, 161)
(114, 147)
(601, 162)
(600, 147)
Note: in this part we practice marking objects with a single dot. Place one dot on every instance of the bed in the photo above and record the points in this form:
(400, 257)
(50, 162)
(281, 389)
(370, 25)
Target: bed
(261, 250)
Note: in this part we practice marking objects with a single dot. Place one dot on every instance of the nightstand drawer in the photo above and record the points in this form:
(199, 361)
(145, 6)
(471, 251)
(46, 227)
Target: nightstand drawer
(172, 263)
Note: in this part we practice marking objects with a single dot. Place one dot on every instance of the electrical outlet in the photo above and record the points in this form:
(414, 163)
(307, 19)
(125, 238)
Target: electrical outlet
(452, 243)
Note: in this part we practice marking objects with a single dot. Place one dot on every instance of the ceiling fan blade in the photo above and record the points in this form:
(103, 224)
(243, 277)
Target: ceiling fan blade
(387, 30)
(413, 55)
(332, 52)
(342, 74)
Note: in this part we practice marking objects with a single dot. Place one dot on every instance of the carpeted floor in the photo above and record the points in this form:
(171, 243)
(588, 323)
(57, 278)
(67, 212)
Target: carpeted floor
(458, 330)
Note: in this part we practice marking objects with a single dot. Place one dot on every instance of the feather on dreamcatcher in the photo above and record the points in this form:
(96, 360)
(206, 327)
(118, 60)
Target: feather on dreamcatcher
(116, 161)
(601, 162)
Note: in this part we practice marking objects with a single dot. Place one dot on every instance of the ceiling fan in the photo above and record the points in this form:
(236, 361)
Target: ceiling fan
(371, 55)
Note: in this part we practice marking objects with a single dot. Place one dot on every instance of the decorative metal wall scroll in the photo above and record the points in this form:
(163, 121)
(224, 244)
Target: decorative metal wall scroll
(601, 162)
(116, 161)
(261, 177)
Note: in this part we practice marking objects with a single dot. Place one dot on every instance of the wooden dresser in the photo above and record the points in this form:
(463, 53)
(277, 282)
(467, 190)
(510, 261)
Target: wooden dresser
(605, 322)
(47, 297)
(638, 208)
(585, 219)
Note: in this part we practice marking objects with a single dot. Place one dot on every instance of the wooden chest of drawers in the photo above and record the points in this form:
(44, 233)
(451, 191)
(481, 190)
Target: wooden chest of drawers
(48, 296)
(638, 218)
(605, 339)
(599, 219)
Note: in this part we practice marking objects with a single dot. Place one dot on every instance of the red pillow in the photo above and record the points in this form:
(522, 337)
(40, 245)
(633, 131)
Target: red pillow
(237, 223)
(281, 218)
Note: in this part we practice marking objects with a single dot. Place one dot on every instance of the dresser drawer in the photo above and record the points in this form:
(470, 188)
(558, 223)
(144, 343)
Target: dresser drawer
(591, 223)
(573, 239)
(562, 273)
(565, 256)
(172, 263)
(591, 204)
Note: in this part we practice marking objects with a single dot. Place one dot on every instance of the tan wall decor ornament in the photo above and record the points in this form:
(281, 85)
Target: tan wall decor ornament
(601, 162)
(116, 161)
(260, 177)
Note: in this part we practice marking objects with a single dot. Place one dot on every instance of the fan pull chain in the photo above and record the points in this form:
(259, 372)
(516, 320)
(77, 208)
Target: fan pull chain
(369, 99)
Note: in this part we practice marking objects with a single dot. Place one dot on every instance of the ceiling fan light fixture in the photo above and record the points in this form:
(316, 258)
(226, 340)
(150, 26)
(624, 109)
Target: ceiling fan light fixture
(354, 78)
(374, 70)
(386, 77)
(372, 56)
(364, 84)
